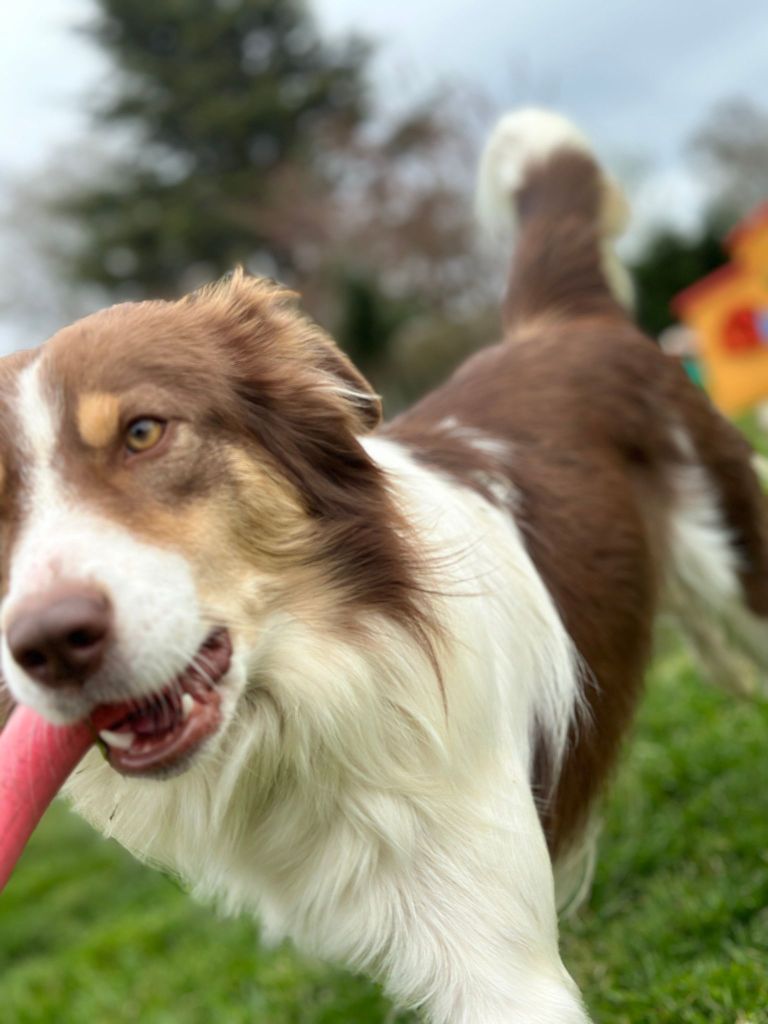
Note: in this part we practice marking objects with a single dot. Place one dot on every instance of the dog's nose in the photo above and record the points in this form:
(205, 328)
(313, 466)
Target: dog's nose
(60, 637)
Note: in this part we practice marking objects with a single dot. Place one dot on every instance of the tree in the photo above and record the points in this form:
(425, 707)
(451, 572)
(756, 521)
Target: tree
(225, 106)
(243, 137)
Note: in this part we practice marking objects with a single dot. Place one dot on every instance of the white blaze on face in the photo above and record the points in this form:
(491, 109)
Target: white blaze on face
(157, 621)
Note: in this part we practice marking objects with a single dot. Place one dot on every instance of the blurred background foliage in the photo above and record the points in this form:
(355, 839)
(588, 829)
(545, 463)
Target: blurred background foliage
(731, 151)
(241, 136)
(232, 132)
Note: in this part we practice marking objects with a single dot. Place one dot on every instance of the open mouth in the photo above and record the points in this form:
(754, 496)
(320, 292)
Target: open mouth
(163, 729)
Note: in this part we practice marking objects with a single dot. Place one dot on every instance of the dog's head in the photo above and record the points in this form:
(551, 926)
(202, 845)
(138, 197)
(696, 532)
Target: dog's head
(177, 479)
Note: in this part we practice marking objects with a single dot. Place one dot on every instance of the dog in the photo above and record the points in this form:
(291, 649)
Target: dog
(373, 678)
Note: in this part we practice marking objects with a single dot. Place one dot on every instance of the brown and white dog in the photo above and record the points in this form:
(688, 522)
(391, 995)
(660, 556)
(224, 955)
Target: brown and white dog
(379, 674)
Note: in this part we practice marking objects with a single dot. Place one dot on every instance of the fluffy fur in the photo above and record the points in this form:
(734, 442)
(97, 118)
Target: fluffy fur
(403, 860)
(439, 630)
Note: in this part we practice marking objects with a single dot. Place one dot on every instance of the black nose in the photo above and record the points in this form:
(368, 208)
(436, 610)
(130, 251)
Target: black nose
(60, 637)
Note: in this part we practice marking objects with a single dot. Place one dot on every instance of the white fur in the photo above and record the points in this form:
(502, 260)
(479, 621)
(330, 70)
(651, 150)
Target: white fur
(575, 869)
(475, 438)
(521, 140)
(494, 483)
(704, 590)
(376, 819)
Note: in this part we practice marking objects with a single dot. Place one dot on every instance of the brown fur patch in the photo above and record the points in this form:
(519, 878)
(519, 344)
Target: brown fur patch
(98, 418)
(558, 271)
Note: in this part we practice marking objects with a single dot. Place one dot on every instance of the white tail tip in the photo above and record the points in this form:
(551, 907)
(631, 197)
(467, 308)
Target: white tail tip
(527, 137)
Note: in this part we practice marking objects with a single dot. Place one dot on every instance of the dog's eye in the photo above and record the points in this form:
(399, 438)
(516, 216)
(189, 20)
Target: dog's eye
(143, 434)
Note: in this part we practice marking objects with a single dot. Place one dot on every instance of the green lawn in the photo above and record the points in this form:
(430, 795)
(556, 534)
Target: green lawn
(676, 930)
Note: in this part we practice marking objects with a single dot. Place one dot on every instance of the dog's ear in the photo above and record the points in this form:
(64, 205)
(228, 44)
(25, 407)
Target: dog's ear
(283, 354)
(349, 383)
(292, 391)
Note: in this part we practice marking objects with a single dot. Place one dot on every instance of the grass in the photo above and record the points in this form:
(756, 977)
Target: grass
(676, 929)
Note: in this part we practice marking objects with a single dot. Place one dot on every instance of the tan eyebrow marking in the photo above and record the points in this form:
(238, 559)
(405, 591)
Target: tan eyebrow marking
(98, 417)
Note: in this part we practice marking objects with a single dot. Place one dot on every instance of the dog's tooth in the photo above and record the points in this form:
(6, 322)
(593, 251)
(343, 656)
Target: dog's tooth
(120, 740)
(187, 703)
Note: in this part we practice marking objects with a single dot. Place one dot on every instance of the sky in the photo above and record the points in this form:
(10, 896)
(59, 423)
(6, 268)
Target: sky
(638, 77)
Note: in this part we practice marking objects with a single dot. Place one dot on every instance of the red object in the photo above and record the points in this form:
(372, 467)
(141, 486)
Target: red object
(740, 331)
(35, 760)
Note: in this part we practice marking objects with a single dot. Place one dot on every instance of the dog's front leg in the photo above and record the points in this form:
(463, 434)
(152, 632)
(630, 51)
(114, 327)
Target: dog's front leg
(478, 941)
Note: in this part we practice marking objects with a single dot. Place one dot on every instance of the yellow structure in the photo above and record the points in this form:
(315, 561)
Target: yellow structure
(728, 310)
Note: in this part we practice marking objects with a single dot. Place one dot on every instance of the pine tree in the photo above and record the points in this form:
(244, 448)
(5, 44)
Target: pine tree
(230, 108)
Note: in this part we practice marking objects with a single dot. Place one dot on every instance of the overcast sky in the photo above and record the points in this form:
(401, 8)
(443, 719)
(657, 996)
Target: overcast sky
(637, 76)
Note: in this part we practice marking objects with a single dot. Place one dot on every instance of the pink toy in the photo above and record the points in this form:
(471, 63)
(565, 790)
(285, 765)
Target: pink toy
(35, 760)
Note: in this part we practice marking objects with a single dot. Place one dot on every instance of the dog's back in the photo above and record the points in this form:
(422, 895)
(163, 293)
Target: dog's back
(627, 485)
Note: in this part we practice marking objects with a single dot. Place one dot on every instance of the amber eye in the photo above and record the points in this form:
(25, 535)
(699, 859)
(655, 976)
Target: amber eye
(144, 434)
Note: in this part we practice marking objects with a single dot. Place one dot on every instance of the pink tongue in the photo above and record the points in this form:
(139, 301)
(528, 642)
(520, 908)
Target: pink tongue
(35, 761)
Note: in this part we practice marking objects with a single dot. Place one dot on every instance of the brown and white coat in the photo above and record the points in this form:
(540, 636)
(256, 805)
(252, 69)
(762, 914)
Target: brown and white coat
(436, 630)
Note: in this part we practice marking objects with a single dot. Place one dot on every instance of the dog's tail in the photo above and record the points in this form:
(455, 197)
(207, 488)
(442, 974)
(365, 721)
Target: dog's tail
(541, 186)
